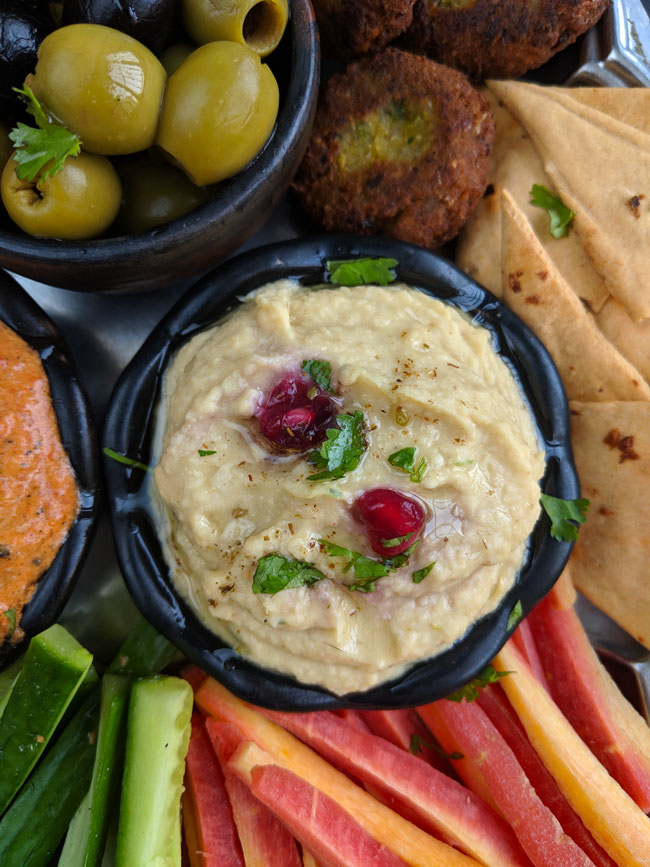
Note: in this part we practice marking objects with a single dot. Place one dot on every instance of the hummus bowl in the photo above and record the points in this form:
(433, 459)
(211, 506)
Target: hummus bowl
(32, 499)
(204, 538)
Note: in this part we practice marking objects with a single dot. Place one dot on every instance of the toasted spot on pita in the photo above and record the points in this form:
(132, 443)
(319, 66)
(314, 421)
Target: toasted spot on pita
(591, 368)
(609, 563)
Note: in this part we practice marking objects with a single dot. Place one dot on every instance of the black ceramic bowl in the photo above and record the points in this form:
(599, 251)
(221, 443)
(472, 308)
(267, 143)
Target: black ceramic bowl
(208, 234)
(129, 431)
(72, 409)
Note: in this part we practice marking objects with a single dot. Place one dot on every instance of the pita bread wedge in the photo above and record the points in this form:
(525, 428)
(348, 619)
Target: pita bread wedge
(610, 561)
(632, 339)
(516, 167)
(601, 169)
(591, 368)
(630, 105)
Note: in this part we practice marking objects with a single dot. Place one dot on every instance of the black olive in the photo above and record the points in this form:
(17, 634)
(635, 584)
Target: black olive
(148, 21)
(22, 28)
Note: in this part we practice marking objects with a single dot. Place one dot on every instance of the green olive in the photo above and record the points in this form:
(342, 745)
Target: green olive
(102, 84)
(218, 111)
(155, 194)
(80, 201)
(259, 24)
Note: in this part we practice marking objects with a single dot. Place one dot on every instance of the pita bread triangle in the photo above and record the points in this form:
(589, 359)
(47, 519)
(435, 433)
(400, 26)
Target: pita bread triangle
(630, 105)
(592, 369)
(600, 167)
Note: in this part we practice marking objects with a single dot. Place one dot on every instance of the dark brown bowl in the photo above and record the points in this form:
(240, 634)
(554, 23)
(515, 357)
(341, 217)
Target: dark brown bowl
(196, 242)
(72, 410)
(129, 430)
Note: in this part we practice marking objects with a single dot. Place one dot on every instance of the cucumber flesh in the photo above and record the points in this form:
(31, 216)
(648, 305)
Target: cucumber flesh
(55, 666)
(158, 732)
(34, 825)
(86, 837)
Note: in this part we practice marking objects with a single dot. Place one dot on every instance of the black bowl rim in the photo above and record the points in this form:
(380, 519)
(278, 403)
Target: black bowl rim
(138, 549)
(72, 409)
(231, 198)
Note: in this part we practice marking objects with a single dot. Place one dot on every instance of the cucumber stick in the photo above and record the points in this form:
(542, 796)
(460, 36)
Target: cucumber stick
(7, 680)
(84, 843)
(34, 825)
(144, 652)
(158, 733)
(55, 666)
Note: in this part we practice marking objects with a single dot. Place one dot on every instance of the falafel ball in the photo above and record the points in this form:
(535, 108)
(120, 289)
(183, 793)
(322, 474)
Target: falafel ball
(352, 27)
(401, 146)
(498, 38)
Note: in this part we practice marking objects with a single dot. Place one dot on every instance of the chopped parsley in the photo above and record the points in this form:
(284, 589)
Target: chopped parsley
(203, 453)
(123, 459)
(275, 572)
(320, 372)
(515, 615)
(417, 742)
(471, 690)
(44, 150)
(10, 614)
(357, 272)
(560, 216)
(404, 460)
(367, 570)
(397, 540)
(562, 513)
(342, 450)
(420, 574)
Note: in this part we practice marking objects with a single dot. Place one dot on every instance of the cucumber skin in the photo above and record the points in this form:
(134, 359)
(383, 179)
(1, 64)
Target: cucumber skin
(144, 652)
(34, 825)
(54, 668)
(158, 733)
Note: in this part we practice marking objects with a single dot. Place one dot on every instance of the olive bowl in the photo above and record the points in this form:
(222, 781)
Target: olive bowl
(192, 244)
(130, 426)
(73, 415)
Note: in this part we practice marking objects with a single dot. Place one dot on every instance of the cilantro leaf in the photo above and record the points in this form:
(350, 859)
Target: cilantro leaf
(342, 450)
(515, 615)
(203, 453)
(10, 614)
(401, 559)
(562, 513)
(471, 690)
(44, 150)
(357, 272)
(275, 572)
(366, 570)
(417, 742)
(404, 459)
(123, 459)
(560, 216)
(393, 543)
(320, 372)
(420, 574)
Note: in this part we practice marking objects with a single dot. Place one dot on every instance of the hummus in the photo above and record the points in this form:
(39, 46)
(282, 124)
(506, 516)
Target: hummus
(423, 376)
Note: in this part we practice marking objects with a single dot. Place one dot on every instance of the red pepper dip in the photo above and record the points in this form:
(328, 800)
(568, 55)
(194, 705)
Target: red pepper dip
(39, 498)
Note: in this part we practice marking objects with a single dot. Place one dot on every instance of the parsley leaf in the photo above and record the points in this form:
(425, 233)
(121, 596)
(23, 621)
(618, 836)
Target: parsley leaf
(401, 559)
(275, 572)
(559, 214)
(404, 459)
(320, 372)
(356, 272)
(420, 574)
(471, 690)
(562, 512)
(10, 614)
(43, 150)
(417, 742)
(123, 459)
(367, 570)
(393, 543)
(515, 615)
(342, 450)
(203, 453)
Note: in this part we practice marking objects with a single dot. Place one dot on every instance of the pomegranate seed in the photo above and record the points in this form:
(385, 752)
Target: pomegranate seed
(292, 420)
(386, 515)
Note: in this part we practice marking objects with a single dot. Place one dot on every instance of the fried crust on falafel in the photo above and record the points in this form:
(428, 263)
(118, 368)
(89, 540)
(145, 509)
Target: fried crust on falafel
(401, 146)
(498, 38)
(352, 27)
